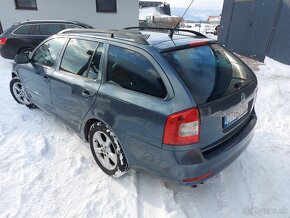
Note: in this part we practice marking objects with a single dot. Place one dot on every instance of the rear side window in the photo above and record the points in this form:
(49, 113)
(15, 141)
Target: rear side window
(133, 71)
(77, 56)
(210, 72)
(47, 29)
(72, 26)
(47, 53)
(23, 30)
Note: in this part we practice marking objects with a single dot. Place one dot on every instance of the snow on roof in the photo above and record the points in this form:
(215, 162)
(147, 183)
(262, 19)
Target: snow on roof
(144, 12)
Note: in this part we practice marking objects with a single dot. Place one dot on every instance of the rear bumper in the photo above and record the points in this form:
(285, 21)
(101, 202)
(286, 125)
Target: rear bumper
(5, 53)
(177, 166)
(226, 154)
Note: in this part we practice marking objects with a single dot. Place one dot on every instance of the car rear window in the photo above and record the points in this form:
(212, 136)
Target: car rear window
(210, 72)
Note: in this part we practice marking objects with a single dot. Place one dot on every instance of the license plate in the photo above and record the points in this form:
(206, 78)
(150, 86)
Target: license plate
(235, 115)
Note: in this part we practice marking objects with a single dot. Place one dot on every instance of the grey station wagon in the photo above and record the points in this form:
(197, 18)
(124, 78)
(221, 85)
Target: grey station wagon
(172, 103)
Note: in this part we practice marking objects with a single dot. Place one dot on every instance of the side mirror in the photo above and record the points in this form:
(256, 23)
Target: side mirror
(21, 58)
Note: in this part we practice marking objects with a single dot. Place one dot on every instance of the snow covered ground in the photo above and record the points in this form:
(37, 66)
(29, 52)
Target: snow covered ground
(48, 171)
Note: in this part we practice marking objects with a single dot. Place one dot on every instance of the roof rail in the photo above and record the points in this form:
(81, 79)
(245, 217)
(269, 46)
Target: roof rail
(169, 29)
(115, 34)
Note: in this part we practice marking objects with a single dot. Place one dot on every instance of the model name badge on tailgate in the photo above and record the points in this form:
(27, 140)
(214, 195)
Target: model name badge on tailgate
(235, 115)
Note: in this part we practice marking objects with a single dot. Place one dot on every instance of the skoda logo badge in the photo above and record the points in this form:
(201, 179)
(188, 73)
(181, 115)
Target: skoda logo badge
(243, 97)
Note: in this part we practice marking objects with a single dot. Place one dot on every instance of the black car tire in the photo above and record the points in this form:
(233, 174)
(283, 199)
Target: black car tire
(117, 166)
(21, 99)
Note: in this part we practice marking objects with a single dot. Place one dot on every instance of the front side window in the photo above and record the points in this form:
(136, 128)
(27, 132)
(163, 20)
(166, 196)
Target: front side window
(26, 4)
(133, 71)
(47, 29)
(47, 53)
(77, 56)
(106, 5)
(23, 30)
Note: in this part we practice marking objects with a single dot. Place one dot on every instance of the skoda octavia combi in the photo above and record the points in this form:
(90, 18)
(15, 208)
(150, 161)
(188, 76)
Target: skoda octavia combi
(172, 103)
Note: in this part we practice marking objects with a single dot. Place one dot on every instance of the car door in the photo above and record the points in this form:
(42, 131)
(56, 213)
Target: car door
(75, 84)
(134, 95)
(38, 72)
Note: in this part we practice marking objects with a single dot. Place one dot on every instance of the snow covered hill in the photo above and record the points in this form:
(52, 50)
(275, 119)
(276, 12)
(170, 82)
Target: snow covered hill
(46, 170)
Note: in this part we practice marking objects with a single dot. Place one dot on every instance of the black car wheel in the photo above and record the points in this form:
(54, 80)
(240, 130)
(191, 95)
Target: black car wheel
(107, 150)
(19, 94)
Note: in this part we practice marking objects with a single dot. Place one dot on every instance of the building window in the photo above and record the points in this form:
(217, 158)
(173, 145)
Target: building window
(26, 4)
(106, 6)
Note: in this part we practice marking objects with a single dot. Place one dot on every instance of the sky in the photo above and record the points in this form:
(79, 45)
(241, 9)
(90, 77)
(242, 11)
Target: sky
(198, 4)
(200, 9)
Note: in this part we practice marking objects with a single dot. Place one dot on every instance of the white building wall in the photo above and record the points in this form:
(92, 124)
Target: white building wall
(79, 10)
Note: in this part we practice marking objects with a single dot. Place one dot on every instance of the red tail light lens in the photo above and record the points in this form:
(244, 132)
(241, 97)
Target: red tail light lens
(3, 41)
(196, 44)
(182, 128)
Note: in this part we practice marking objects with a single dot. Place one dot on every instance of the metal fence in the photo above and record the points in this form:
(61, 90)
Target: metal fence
(257, 28)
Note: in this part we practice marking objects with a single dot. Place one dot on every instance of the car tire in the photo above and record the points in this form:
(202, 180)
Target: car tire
(107, 150)
(19, 94)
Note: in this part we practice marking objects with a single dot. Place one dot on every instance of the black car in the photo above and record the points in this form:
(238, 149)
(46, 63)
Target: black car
(25, 36)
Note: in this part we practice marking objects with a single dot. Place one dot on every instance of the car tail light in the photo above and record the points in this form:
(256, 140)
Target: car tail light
(3, 41)
(182, 128)
(196, 44)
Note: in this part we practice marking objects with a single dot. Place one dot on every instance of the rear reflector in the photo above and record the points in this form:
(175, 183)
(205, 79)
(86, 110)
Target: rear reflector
(198, 178)
(182, 128)
(3, 41)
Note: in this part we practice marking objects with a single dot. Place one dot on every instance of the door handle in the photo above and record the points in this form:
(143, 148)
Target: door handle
(45, 79)
(86, 94)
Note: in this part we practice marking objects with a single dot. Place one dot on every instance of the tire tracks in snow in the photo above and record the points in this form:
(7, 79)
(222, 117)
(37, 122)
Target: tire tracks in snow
(154, 198)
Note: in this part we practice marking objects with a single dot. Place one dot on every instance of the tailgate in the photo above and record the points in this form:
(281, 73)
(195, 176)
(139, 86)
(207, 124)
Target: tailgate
(223, 87)
(223, 117)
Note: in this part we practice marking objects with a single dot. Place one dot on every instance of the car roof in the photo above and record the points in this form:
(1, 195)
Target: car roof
(48, 21)
(160, 40)
(52, 21)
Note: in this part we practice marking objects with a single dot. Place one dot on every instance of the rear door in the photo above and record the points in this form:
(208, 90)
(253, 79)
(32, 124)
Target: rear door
(75, 84)
(133, 96)
(223, 87)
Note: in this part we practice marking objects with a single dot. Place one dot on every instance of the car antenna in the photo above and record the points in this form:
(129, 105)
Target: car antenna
(172, 31)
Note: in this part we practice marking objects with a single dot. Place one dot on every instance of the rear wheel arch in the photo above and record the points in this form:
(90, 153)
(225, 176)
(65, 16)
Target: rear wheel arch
(88, 125)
